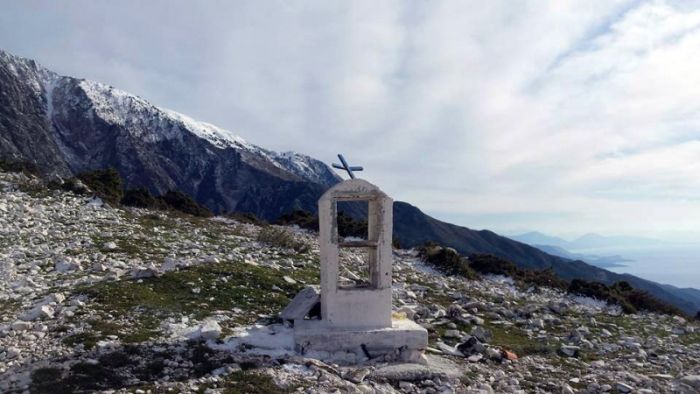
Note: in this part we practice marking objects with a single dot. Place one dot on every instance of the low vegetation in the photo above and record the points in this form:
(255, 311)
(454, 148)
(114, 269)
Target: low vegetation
(107, 184)
(134, 309)
(490, 264)
(172, 200)
(515, 340)
(142, 198)
(447, 260)
(450, 262)
(631, 300)
(251, 382)
(623, 294)
(108, 372)
(184, 203)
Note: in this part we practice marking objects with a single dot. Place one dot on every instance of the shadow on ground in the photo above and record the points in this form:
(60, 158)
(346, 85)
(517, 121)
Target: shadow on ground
(136, 366)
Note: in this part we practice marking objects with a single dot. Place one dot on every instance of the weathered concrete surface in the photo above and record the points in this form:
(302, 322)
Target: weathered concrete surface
(402, 333)
(355, 308)
(358, 308)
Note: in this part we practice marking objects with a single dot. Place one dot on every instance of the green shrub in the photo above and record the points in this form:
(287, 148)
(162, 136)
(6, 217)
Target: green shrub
(282, 238)
(73, 185)
(642, 300)
(184, 203)
(490, 264)
(451, 262)
(142, 198)
(251, 382)
(447, 260)
(545, 277)
(106, 184)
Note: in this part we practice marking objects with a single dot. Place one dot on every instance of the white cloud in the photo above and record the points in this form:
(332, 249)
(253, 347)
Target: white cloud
(556, 116)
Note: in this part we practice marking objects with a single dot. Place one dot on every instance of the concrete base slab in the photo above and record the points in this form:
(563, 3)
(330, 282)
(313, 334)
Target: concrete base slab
(405, 339)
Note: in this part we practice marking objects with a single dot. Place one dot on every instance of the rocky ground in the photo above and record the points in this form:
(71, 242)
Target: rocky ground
(101, 299)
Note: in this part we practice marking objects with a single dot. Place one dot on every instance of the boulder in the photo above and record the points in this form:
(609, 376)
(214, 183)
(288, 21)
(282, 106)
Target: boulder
(471, 346)
(39, 312)
(692, 381)
(482, 334)
(624, 388)
(569, 351)
(64, 265)
(210, 330)
(143, 272)
(402, 372)
(20, 325)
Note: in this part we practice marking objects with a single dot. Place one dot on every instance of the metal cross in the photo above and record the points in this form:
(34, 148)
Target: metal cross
(346, 167)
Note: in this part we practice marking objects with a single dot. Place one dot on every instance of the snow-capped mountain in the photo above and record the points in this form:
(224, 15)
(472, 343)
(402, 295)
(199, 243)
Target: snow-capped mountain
(66, 126)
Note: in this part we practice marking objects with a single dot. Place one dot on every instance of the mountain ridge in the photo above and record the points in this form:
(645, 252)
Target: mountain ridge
(67, 125)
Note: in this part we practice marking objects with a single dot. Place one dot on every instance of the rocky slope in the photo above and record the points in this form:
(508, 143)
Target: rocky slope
(66, 126)
(103, 299)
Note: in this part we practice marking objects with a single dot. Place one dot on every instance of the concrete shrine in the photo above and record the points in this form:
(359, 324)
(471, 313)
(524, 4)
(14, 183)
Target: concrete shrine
(354, 320)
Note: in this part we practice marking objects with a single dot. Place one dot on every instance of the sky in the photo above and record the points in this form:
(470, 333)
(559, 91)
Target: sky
(559, 116)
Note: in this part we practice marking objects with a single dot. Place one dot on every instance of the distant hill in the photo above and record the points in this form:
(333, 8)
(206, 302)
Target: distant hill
(586, 241)
(598, 261)
(537, 238)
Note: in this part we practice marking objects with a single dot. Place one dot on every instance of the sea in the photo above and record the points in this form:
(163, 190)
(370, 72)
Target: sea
(673, 264)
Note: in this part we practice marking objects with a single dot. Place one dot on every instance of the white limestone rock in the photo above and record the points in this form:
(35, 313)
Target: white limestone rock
(21, 325)
(144, 272)
(692, 381)
(65, 265)
(209, 329)
(39, 312)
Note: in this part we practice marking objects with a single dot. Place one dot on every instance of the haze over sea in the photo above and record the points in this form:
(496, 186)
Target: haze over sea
(673, 264)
